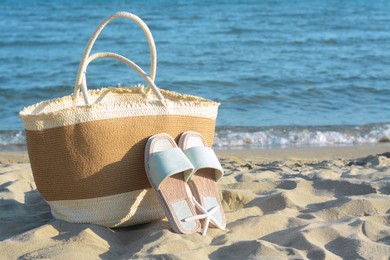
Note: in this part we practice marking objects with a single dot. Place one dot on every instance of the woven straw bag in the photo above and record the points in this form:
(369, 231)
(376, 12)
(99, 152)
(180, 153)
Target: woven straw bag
(87, 149)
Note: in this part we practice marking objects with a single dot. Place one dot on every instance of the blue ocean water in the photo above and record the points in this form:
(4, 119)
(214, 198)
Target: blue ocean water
(287, 72)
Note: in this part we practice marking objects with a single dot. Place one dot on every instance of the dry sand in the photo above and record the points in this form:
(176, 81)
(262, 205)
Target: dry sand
(301, 203)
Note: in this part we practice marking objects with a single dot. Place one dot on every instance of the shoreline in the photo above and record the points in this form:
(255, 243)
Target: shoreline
(304, 153)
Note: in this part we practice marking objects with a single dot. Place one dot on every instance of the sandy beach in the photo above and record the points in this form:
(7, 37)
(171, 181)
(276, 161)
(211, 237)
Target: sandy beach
(293, 203)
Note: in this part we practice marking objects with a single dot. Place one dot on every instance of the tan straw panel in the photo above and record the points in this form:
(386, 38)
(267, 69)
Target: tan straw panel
(101, 158)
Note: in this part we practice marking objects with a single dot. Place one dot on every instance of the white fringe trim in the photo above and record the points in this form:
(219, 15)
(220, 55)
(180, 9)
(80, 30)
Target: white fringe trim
(111, 103)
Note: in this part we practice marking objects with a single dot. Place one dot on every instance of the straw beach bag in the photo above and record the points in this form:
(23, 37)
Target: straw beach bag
(87, 149)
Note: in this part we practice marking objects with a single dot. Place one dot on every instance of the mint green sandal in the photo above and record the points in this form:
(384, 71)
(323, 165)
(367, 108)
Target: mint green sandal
(168, 170)
(203, 182)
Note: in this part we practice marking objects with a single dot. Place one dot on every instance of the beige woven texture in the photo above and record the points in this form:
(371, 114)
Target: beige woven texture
(111, 103)
(119, 210)
(87, 149)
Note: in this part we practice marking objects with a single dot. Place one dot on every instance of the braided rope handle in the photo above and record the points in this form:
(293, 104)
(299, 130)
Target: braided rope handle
(80, 80)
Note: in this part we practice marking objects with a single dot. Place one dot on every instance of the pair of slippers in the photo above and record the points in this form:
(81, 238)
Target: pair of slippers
(185, 177)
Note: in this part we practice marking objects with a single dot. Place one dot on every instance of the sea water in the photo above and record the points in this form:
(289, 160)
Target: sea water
(285, 72)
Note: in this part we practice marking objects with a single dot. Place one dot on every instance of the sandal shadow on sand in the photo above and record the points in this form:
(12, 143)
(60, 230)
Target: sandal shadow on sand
(168, 170)
(203, 182)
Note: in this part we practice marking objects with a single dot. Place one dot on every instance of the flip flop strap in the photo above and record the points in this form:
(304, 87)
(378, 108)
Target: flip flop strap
(204, 157)
(167, 163)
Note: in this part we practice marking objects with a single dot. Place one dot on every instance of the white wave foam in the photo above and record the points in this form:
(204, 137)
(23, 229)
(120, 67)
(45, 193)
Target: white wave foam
(12, 138)
(284, 137)
(271, 137)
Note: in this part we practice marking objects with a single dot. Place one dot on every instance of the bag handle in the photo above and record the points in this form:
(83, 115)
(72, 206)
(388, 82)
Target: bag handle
(83, 64)
(131, 64)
